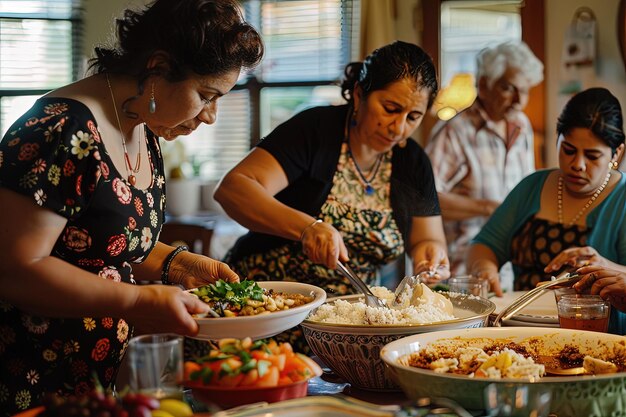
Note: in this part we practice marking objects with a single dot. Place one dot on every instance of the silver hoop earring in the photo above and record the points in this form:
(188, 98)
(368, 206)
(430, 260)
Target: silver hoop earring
(152, 103)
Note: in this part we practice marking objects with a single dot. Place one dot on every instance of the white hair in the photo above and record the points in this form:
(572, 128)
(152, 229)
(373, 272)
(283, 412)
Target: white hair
(493, 62)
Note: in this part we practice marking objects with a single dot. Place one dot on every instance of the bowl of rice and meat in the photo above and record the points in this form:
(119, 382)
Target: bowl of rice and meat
(348, 336)
(466, 361)
(255, 309)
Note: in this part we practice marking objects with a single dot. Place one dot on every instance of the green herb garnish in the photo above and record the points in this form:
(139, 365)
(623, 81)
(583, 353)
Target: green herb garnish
(235, 293)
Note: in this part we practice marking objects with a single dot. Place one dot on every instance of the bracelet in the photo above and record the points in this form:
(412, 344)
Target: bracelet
(309, 226)
(165, 279)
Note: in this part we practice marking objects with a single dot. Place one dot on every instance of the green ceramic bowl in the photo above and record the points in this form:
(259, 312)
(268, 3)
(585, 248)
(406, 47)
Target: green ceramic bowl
(587, 395)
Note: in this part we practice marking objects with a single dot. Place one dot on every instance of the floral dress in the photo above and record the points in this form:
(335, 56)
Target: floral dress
(54, 155)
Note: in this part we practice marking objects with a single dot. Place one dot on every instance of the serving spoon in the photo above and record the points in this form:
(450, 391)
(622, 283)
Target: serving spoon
(579, 370)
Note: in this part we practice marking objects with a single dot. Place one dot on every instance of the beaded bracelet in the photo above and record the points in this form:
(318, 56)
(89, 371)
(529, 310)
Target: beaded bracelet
(309, 226)
(165, 279)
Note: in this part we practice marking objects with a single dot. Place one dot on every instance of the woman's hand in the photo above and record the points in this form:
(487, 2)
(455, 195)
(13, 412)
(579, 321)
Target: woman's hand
(607, 283)
(165, 309)
(323, 244)
(576, 257)
(192, 270)
(487, 269)
(430, 259)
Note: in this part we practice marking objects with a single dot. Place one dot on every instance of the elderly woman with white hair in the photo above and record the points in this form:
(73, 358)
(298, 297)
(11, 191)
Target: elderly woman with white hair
(479, 155)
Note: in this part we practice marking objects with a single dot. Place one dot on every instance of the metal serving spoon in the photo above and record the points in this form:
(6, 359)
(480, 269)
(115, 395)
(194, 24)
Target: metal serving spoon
(579, 370)
(562, 280)
(413, 280)
(370, 299)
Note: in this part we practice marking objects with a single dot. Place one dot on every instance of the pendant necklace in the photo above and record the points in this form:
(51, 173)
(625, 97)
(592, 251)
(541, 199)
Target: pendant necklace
(369, 189)
(559, 199)
(130, 170)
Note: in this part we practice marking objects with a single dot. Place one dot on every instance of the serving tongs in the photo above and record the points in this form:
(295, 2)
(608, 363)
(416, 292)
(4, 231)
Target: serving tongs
(563, 280)
(370, 299)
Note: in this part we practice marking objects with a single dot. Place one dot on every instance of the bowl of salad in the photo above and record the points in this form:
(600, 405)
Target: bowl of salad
(255, 309)
(242, 371)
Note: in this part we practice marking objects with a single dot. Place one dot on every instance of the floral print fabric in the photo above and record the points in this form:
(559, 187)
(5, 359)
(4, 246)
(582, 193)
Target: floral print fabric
(54, 154)
(365, 222)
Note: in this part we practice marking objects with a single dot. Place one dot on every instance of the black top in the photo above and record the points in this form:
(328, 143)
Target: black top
(308, 146)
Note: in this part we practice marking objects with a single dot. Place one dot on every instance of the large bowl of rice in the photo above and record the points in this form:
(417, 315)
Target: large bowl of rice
(348, 336)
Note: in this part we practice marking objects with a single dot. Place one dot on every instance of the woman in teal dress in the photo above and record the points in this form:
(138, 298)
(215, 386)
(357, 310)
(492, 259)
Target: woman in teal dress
(569, 217)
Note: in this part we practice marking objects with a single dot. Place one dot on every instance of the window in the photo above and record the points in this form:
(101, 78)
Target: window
(469, 26)
(39, 46)
(308, 43)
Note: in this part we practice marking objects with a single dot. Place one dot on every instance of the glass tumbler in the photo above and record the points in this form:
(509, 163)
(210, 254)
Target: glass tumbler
(517, 400)
(469, 284)
(156, 365)
(584, 312)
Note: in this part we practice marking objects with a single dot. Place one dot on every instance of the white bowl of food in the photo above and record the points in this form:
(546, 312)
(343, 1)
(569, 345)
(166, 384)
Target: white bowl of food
(592, 394)
(353, 350)
(284, 305)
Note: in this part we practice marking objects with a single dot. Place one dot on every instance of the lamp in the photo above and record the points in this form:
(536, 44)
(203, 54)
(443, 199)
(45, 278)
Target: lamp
(458, 95)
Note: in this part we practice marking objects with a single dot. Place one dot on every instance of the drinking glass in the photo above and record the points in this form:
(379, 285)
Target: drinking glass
(469, 284)
(517, 400)
(584, 312)
(156, 365)
(560, 292)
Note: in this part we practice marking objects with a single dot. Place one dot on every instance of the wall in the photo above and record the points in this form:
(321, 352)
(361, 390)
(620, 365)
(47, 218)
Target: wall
(559, 13)
(100, 21)
(610, 71)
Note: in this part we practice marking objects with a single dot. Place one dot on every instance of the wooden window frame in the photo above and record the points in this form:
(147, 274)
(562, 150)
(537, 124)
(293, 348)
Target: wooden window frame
(533, 33)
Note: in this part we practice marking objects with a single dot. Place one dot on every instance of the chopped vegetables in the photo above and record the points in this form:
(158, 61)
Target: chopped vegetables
(263, 363)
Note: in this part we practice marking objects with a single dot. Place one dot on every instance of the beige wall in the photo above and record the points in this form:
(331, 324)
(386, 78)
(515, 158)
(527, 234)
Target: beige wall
(610, 71)
(100, 21)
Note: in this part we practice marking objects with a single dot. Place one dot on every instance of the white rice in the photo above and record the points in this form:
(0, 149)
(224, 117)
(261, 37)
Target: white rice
(344, 312)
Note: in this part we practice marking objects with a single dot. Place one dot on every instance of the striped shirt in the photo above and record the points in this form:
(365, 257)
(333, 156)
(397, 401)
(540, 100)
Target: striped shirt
(469, 158)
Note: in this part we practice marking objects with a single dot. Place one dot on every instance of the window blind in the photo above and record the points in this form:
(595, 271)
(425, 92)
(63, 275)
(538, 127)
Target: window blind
(308, 43)
(39, 50)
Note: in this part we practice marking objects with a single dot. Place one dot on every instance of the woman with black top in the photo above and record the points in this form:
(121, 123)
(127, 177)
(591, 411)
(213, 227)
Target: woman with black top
(343, 183)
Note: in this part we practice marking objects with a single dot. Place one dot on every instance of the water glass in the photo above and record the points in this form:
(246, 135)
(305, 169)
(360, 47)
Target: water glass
(517, 400)
(156, 365)
(584, 312)
(469, 284)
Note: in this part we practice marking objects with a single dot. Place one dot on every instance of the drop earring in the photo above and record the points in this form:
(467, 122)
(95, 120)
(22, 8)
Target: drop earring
(152, 103)
(613, 165)
(353, 119)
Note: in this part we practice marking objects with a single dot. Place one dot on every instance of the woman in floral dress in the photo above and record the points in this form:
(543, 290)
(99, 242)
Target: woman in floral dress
(82, 198)
(343, 183)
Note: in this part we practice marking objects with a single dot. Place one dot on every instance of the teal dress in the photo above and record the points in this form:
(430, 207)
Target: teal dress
(605, 228)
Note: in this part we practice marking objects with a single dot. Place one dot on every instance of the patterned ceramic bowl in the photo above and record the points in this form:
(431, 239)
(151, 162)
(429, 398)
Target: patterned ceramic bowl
(353, 351)
(583, 395)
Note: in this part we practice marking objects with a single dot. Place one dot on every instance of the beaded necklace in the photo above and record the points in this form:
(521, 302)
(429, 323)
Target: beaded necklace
(367, 183)
(130, 170)
(559, 199)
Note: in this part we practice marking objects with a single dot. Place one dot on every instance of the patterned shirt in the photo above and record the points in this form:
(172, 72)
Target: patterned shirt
(469, 158)
(55, 156)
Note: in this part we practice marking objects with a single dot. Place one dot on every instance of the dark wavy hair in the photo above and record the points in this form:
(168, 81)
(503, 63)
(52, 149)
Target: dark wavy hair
(396, 61)
(206, 37)
(595, 109)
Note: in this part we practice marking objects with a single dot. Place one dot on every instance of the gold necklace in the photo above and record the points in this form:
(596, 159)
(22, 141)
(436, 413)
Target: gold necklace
(130, 171)
(559, 199)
